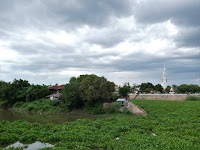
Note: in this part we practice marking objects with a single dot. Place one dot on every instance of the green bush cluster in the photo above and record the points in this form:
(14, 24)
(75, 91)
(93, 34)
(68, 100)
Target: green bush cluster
(193, 98)
(115, 106)
(41, 105)
(169, 125)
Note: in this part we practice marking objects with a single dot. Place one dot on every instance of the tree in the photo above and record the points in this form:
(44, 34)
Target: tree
(5, 89)
(167, 89)
(94, 89)
(35, 92)
(144, 87)
(158, 88)
(70, 93)
(123, 91)
(183, 88)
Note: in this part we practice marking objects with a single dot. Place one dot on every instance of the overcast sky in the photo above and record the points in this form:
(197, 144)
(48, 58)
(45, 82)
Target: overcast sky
(49, 41)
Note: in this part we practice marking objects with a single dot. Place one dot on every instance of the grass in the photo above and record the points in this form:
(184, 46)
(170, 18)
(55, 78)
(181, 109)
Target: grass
(169, 125)
(193, 98)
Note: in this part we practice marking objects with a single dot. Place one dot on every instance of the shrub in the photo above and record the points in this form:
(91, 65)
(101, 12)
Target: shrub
(96, 109)
(193, 98)
(114, 107)
(126, 111)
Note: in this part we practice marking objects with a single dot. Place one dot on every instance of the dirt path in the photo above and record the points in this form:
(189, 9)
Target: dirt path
(136, 110)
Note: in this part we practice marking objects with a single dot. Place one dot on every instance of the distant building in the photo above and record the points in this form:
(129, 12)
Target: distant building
(56, 88)
(116, 88)
(55, 92)
(54, 96)
(164, 78)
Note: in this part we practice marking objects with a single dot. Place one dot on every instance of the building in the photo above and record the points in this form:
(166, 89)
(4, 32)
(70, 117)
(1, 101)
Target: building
(56, 88)
(116, 88)
(164, 78)
(55, 92)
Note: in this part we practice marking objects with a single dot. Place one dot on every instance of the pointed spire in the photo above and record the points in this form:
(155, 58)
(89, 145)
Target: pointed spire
(164, 78)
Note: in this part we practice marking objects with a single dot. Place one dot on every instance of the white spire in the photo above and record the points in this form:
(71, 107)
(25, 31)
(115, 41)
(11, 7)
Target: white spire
(164, 78)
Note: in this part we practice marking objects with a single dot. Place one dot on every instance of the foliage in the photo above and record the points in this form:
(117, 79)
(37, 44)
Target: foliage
(41, 105)
(114, 107)
(193, 98)
(169, 125)
(87, 89)
(146, 87)
(123, 91)
(192, 88)
(94, 89)
(158, 88)
(96, 109)
(167, 89)
(71, 96)
(36, 92)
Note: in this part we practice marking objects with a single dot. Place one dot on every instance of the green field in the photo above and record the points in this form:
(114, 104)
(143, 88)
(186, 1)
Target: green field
(169, 125)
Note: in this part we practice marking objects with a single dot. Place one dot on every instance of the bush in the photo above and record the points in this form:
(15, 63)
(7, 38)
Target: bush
(126, 111)
(96, 109)
(193, 98)
(114, 107)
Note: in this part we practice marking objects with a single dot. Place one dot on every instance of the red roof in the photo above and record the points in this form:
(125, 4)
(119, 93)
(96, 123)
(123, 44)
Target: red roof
(56, 87)
(116, 85)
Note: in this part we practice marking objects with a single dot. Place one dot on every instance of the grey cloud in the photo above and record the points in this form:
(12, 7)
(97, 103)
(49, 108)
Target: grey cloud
(181, 12)
(188, 37)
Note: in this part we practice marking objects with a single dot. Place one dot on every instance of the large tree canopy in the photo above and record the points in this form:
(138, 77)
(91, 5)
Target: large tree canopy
(95, 89)
(88, 89)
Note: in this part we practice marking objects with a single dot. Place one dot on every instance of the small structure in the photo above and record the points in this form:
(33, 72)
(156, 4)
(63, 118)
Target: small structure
(54, 96)
(171, 91)
(123, 101)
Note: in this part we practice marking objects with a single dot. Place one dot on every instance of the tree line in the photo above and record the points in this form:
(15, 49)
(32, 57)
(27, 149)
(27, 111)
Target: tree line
(85, 90)
(20, 91)
(150, 88)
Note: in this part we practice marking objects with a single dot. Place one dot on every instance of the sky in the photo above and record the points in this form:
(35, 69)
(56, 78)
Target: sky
(50, 41)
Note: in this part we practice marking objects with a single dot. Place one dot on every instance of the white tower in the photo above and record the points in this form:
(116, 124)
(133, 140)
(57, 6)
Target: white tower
(164, 78)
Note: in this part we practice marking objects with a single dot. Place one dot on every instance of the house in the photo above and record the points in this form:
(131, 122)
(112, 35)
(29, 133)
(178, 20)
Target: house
(55, 92)
(54, 96)
(116, 88)
(56, 88)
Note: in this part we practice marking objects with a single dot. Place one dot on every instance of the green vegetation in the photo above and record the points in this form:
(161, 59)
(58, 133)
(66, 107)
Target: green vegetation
(193, 98)
(169, 125)
(87, 90)
(125, 89)
(41, 105)
(20, 91)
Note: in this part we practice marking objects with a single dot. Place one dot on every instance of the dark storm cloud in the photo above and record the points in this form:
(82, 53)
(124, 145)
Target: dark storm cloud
(115, 36)
(180, 12)
(61, 13)
(189, 37)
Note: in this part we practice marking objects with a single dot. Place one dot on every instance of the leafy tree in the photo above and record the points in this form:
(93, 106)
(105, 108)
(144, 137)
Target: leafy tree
(192, 88)
(18, 91)
(94, 89)
(5, 89)
(70, 93)
(183, 88)
(134, 87)
(167, 89)
(158, 88)
(123, 91)
(147, 86)
(35, 92)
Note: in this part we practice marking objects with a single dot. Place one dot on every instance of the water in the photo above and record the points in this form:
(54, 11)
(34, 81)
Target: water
(11, 116)
(33, 146)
